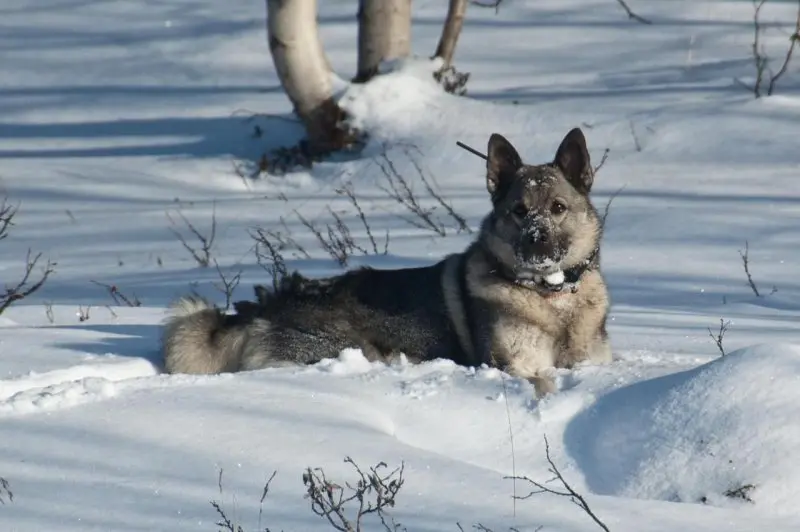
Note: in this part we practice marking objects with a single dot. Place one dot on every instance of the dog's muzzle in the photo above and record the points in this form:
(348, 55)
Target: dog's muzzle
(550, 284)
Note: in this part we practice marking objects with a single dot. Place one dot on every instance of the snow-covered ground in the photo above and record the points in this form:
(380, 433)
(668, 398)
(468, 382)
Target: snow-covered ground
(114, 115)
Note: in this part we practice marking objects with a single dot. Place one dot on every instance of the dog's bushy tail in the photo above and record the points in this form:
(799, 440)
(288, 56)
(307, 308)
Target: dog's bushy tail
(196, 339)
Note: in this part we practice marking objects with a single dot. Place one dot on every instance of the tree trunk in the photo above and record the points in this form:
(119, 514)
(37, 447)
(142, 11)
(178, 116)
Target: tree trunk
(304, 71)
(384, 33)
(451, 31)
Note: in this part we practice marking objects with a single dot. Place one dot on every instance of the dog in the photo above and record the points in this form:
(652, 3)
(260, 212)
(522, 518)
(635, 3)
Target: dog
(527, 296)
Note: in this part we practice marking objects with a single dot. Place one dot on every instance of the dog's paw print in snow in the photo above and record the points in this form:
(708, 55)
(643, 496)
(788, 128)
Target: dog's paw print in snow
(60, 395)
(511, 388)
(560, 406)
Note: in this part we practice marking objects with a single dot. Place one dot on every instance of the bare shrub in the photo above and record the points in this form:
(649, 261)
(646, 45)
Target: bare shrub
(565, 490)
(83, 313)
(118, 296)
(12, 293)
(741, 492)
(5, 491)
(374, 491)
(282, 240)
(346, 506)
(607, 209)
(227, 285)
(7, 213)
(48, 312)
(269, 256)
(26, 286)
(337, 239)
(745, 255)
(225, 522)
(603, 160)
(765, 74)
(201, 254)
(347, 190)
(399, 188)
(720, 335)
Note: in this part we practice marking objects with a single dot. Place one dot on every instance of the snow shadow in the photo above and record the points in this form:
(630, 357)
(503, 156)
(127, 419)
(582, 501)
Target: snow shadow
(605, 462)
(241, 136)
(135, 341)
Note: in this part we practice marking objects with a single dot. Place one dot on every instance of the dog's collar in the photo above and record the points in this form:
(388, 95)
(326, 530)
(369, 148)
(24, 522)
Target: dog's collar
(572, 277)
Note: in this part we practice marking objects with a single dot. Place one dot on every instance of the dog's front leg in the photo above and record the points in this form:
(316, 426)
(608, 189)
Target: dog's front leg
(525, 352)
(585, 338)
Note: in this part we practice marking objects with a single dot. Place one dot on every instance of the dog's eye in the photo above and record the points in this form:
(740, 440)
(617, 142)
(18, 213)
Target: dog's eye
(520, 211)
(558, 207)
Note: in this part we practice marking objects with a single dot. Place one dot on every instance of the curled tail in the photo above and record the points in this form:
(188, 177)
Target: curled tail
(197, 338)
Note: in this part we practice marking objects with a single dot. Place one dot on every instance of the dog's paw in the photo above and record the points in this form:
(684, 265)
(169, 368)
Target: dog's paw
(544, 382)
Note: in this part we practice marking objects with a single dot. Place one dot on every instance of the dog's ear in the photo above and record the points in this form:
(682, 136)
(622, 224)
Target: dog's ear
(572, 158)
(502, 163)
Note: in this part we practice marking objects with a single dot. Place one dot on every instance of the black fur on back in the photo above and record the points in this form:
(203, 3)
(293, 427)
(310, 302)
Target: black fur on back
(384, 312)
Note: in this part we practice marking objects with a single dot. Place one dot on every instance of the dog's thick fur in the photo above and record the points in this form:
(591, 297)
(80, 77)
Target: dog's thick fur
(491, 304)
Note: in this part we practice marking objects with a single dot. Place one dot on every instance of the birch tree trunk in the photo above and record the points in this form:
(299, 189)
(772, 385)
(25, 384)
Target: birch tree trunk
(384, 33)
(304, 71)
(451, 31)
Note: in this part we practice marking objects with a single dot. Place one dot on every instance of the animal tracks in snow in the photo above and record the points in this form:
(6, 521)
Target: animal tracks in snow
(75, 385)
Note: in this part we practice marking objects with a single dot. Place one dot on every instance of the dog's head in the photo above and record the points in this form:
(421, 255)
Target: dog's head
(542, 221)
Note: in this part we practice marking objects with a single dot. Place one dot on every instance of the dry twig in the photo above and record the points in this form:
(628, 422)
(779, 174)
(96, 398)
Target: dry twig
(746, 263)
(225, 523)
(720, 336)
(373, 492)
(227, 285)
(347, 190)
(493, 4)
(83, 313)
(400, 190)
(7, 213)
(269, 257)
(631, 14)
(607, 209)
(742, 492)
(201, 255)
(118, 296)
(603, 160)
(5, 491)
(761, 60)
(566, 491)
(22, 289)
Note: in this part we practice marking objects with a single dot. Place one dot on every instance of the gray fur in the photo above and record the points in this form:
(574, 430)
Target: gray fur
(491, 304)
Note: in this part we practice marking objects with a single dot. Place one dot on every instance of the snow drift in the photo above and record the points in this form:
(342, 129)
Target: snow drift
(721, 433)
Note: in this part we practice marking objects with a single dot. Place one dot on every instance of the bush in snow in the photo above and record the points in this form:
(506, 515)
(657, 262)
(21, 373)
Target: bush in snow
(11, 293)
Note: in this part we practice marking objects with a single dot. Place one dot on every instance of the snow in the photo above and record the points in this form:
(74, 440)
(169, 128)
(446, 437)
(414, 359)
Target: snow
(115, 114)
(686, 435)
(555, 278)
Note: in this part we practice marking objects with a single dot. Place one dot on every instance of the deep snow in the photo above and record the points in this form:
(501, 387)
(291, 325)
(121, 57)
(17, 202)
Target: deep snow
(115, 114)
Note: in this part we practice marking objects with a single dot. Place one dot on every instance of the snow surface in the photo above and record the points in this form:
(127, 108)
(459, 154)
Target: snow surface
(114, 114)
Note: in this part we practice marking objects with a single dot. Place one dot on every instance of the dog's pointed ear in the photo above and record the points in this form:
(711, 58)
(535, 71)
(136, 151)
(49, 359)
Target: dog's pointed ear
(572, 158)
(502, 162)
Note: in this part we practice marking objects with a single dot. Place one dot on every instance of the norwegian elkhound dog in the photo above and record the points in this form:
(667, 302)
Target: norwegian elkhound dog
(526, 296)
